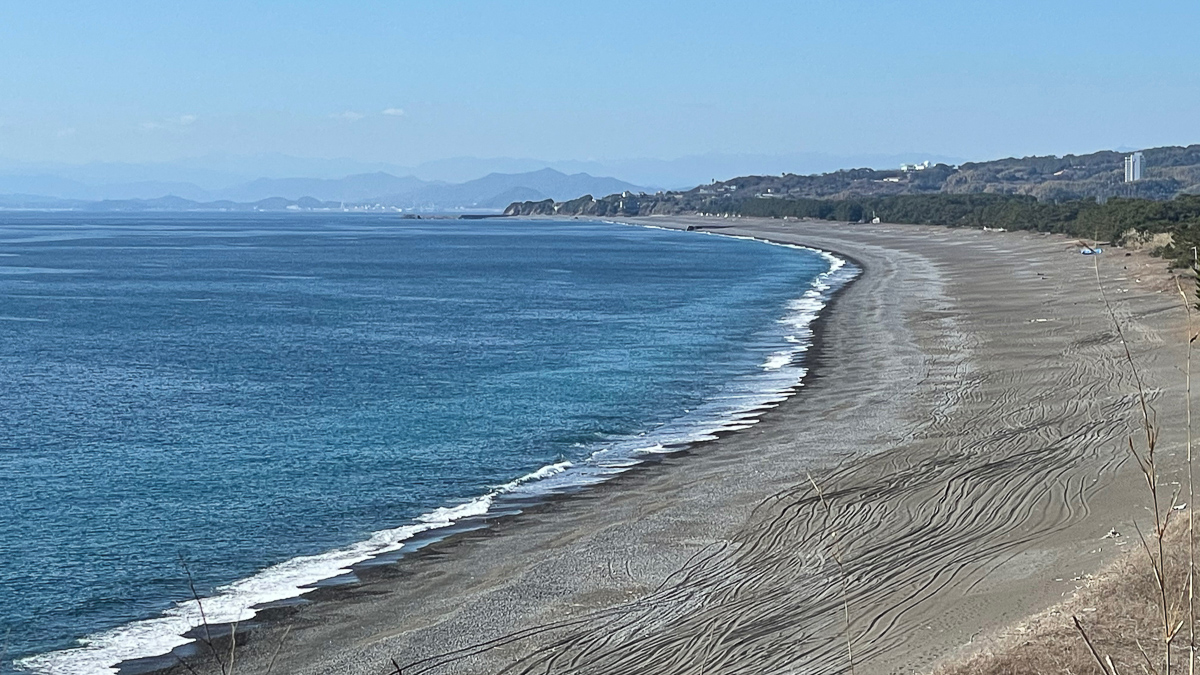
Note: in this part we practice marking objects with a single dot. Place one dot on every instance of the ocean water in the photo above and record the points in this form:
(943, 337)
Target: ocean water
(271, 399)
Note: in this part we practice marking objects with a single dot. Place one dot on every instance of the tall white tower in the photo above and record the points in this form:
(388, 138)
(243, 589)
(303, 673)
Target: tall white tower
(1133, 167)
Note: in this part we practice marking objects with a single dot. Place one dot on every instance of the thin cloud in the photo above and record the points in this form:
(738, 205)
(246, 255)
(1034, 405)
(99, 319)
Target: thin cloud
(65, 133)
(394, 112)
(169, 122)
(349, 116)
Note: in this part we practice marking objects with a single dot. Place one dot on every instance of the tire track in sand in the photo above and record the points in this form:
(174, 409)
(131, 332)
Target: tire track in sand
(1003, 459)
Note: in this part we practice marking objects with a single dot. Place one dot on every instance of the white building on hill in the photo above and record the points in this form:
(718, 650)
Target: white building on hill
(1133, 167)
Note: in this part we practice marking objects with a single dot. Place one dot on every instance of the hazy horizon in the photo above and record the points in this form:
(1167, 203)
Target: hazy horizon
(612, 84)
(222, 171)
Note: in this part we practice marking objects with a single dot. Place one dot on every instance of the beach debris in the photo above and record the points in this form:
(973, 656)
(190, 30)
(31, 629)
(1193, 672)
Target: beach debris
(1112, 534)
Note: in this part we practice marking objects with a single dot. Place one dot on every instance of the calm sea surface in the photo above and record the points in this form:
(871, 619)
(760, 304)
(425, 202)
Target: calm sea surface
(272, 398)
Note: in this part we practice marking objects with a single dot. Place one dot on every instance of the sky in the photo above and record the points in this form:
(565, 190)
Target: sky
(406, 82)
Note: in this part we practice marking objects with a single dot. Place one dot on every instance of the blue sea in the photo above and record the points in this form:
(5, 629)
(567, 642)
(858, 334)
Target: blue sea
(270, 399)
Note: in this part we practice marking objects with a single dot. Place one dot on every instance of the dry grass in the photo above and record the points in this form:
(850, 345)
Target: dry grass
(843, 582)
(1119, 610)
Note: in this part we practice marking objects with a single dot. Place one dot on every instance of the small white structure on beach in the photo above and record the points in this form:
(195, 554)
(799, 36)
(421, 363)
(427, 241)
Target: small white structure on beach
(1133, 167)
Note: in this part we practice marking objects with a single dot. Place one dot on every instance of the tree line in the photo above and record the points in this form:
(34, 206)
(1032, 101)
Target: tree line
(1115, 220)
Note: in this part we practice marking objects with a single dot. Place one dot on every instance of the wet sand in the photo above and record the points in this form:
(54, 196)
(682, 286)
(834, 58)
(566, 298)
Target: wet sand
(965, 418)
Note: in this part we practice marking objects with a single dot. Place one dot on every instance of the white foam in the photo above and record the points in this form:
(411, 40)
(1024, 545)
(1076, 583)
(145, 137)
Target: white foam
(777, 360)
(235, 602)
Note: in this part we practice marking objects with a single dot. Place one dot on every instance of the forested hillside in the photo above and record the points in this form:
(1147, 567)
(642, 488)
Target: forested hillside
(1080, 195)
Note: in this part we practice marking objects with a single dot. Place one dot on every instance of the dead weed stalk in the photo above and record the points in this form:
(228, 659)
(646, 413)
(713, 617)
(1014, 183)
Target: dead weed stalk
(1172, 614)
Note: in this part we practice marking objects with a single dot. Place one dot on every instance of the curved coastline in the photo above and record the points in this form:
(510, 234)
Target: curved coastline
(965, 416)
(159, 643)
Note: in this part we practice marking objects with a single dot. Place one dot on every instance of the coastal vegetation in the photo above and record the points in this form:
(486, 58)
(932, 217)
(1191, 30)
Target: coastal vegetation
(1169, 228)
(1136, 222)
(1083, 196)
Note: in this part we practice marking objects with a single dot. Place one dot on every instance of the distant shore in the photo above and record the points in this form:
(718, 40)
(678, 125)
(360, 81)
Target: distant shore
(964, 419)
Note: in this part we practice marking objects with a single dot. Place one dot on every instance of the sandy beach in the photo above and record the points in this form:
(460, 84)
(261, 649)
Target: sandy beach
(965, 418)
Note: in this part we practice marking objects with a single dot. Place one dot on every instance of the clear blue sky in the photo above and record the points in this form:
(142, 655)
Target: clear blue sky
(135, 81)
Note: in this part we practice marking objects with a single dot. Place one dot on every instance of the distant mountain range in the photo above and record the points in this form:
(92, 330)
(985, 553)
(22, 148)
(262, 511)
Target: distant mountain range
(378, 190)
(210, 184)
(209, 176)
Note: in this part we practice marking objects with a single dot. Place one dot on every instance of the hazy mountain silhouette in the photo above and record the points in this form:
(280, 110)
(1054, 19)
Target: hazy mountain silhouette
(494, 191)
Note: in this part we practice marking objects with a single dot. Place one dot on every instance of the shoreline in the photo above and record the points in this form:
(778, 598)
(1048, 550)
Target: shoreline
(508, 501)
(431, 625)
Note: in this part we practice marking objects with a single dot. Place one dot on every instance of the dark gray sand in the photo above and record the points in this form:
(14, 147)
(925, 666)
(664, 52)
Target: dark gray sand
(966, 421)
